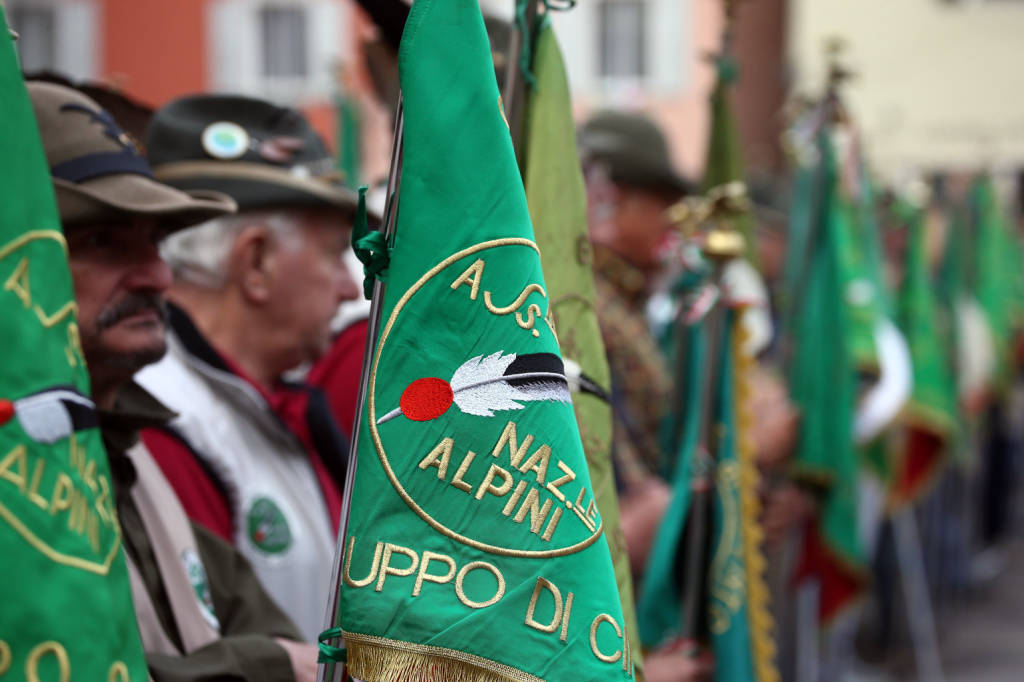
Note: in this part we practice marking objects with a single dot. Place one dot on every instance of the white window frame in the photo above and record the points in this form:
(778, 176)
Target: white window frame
(76, 35)
(235, 56)
(668, 48)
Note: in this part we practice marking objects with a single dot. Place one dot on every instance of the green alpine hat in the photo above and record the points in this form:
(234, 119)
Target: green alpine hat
(634, 149)
(262, 155)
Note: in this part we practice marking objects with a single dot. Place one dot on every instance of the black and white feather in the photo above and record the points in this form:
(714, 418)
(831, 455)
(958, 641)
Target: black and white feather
(488, 383)
(51, 415)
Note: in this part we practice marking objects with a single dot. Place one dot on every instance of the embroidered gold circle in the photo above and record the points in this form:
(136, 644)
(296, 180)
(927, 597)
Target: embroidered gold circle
(378, 444)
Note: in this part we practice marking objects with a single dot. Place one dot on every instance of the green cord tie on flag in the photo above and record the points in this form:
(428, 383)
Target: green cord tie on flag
(328, 652)
(371, 247)
(526, 53)
(728, 69)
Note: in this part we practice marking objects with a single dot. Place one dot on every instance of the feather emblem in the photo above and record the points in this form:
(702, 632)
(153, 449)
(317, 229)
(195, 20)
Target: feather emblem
(484, 385)
(52, 414)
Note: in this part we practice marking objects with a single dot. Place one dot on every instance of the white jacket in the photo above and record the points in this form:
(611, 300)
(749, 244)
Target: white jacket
(280, 520)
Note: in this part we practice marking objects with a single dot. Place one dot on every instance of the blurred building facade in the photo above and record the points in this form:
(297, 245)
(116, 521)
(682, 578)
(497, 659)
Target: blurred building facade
(654, 55)
(288, 51)
(936, 83)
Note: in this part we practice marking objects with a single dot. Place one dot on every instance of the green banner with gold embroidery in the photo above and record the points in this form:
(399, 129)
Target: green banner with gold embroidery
(557, 198)
(66, 604)
(475, 546)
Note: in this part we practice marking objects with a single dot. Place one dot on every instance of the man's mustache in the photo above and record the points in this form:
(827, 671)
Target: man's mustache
(130, 305)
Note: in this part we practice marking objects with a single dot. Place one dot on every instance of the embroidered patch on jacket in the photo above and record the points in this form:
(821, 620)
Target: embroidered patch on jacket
(268, 528)
(200, 583)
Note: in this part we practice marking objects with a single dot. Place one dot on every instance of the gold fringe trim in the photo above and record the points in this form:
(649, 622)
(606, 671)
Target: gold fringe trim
(378, 659)
(759, 616)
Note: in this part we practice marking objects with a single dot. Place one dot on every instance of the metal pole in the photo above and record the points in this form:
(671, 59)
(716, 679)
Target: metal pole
(514, 95)
(918, 602)
(697, 540)
(390, 222)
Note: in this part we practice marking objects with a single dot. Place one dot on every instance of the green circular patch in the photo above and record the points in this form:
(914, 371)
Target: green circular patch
(268, 528)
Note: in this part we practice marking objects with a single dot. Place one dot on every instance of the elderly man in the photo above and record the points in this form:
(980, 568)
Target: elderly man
(201, 611)
(257, 459)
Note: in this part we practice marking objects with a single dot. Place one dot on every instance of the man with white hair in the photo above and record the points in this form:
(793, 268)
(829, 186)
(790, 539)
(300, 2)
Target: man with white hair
(256, 459)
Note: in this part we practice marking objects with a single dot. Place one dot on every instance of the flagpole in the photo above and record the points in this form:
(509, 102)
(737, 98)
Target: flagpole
(390, 222)
(722, 243)
(514, 95)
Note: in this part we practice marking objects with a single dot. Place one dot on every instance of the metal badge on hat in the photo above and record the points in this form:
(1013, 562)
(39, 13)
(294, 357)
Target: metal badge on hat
(225, 140)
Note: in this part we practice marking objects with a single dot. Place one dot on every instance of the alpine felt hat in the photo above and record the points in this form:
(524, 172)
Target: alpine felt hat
(97, 170)
(635, 151)
(262, 155)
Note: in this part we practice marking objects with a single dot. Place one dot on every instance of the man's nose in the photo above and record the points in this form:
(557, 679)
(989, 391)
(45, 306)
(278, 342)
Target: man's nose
(348, 289)
(150, 271)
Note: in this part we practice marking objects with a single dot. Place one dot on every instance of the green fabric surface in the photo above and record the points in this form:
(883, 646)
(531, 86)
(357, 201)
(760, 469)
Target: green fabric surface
(725, 148)
(933, 401)
(465, 291)
(729, 619)
(66, 601)
(996, 274)
(659, 608)
(557, 199)
(822, 369)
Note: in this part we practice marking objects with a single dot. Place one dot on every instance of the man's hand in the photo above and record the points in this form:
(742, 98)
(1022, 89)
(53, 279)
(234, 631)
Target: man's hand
(303, 657)
(670, 664)
(776, 420)
(787, 507)
(640, 510)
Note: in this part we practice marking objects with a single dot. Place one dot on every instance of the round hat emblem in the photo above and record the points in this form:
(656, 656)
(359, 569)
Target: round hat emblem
(225, 140)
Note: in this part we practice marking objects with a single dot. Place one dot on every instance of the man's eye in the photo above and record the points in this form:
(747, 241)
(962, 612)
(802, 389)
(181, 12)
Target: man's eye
(100, 239)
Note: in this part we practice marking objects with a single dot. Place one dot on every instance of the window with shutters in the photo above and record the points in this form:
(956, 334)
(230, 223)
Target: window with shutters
(283, 50)
(55, 36)
(622, 44)
(37, 44)
(284, 40)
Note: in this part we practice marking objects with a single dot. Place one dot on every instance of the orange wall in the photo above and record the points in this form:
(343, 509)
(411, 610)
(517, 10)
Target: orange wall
(154, 50)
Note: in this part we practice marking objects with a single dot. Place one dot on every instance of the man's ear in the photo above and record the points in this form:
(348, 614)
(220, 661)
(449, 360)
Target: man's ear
(251, 263)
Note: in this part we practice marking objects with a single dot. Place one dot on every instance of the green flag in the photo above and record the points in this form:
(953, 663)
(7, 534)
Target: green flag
(475, 548)
(725, 151)
(557, 198)
(822, 382)
(996, 274)
(739, 619)
(736, 610)
(930, 418)
(67, 606)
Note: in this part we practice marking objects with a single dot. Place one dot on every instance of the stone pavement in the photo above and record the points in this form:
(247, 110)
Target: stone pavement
(982, 639)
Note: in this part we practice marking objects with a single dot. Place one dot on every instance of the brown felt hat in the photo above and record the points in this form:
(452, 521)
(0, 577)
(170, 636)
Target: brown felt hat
(97, 170)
